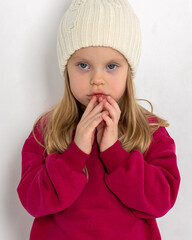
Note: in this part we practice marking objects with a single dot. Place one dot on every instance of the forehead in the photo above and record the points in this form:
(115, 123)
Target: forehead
(98, 53)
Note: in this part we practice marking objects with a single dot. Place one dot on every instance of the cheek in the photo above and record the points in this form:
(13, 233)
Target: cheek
(119, 85)
(73, 83)
(77, 84)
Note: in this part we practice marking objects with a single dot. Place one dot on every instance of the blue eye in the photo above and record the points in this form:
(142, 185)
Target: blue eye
(111, 66)
(82, 65)
(85, 66)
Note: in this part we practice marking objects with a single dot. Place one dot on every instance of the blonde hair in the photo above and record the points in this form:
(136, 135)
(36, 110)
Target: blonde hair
(135, 125)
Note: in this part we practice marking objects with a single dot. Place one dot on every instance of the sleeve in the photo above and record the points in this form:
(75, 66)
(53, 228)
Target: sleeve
(148, 184)
(50, 184)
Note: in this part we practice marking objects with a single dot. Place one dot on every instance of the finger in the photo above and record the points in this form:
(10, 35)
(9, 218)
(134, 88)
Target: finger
(112, 111)
(93, 136)
(101, 125)
(98, 109)
(114, 104)
(91, 105)
(93, 123)
(101, 98)
(94, 118)
(107, 120)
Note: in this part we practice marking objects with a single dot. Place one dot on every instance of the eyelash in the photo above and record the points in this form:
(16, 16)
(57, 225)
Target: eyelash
(78, 64)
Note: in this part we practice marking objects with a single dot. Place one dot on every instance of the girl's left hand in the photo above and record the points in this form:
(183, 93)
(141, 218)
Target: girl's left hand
(107, 130)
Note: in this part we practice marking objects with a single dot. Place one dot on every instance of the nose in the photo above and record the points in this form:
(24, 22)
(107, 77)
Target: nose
(97, 79)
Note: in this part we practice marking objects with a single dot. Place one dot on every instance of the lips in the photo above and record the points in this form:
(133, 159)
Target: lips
(97, 94)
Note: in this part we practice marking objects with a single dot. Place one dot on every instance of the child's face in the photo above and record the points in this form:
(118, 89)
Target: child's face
(94, 70)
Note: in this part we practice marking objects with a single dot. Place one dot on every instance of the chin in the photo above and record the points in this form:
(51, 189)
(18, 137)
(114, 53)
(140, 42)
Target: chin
(82, 105)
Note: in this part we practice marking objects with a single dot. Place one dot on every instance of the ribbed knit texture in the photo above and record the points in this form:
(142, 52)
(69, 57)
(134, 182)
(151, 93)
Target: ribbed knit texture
(108, 23)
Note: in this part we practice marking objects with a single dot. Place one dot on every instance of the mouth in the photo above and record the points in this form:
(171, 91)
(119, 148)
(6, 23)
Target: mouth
(98, 95)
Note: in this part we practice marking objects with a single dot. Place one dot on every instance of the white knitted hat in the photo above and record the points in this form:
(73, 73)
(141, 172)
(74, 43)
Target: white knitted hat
(108, 23)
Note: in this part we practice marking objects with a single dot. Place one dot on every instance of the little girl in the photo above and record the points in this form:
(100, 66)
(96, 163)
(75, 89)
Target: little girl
(98, 165)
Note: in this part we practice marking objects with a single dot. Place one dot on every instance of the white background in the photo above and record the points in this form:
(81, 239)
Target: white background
(30, 83)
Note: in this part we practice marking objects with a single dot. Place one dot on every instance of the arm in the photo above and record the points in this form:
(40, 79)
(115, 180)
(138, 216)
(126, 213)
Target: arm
(147, 184)
(51, 183)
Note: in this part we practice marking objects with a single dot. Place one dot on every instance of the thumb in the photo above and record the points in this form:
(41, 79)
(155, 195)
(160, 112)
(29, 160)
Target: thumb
(100, 126)
(93, 136)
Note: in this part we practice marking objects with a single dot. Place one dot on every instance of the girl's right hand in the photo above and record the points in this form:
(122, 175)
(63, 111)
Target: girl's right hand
(86, 128)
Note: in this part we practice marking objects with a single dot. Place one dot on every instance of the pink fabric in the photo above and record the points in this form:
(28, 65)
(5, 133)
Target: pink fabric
(124, 195)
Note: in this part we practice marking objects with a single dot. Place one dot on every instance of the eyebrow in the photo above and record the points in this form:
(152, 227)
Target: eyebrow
(87, 60)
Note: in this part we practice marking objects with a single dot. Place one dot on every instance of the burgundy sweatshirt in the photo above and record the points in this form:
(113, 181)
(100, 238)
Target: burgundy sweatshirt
(125, 192)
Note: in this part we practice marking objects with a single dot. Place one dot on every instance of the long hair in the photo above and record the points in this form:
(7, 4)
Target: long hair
(135, 125)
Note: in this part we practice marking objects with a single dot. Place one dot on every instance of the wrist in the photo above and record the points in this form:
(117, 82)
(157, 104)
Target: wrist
(104, 148)
(81, 147)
